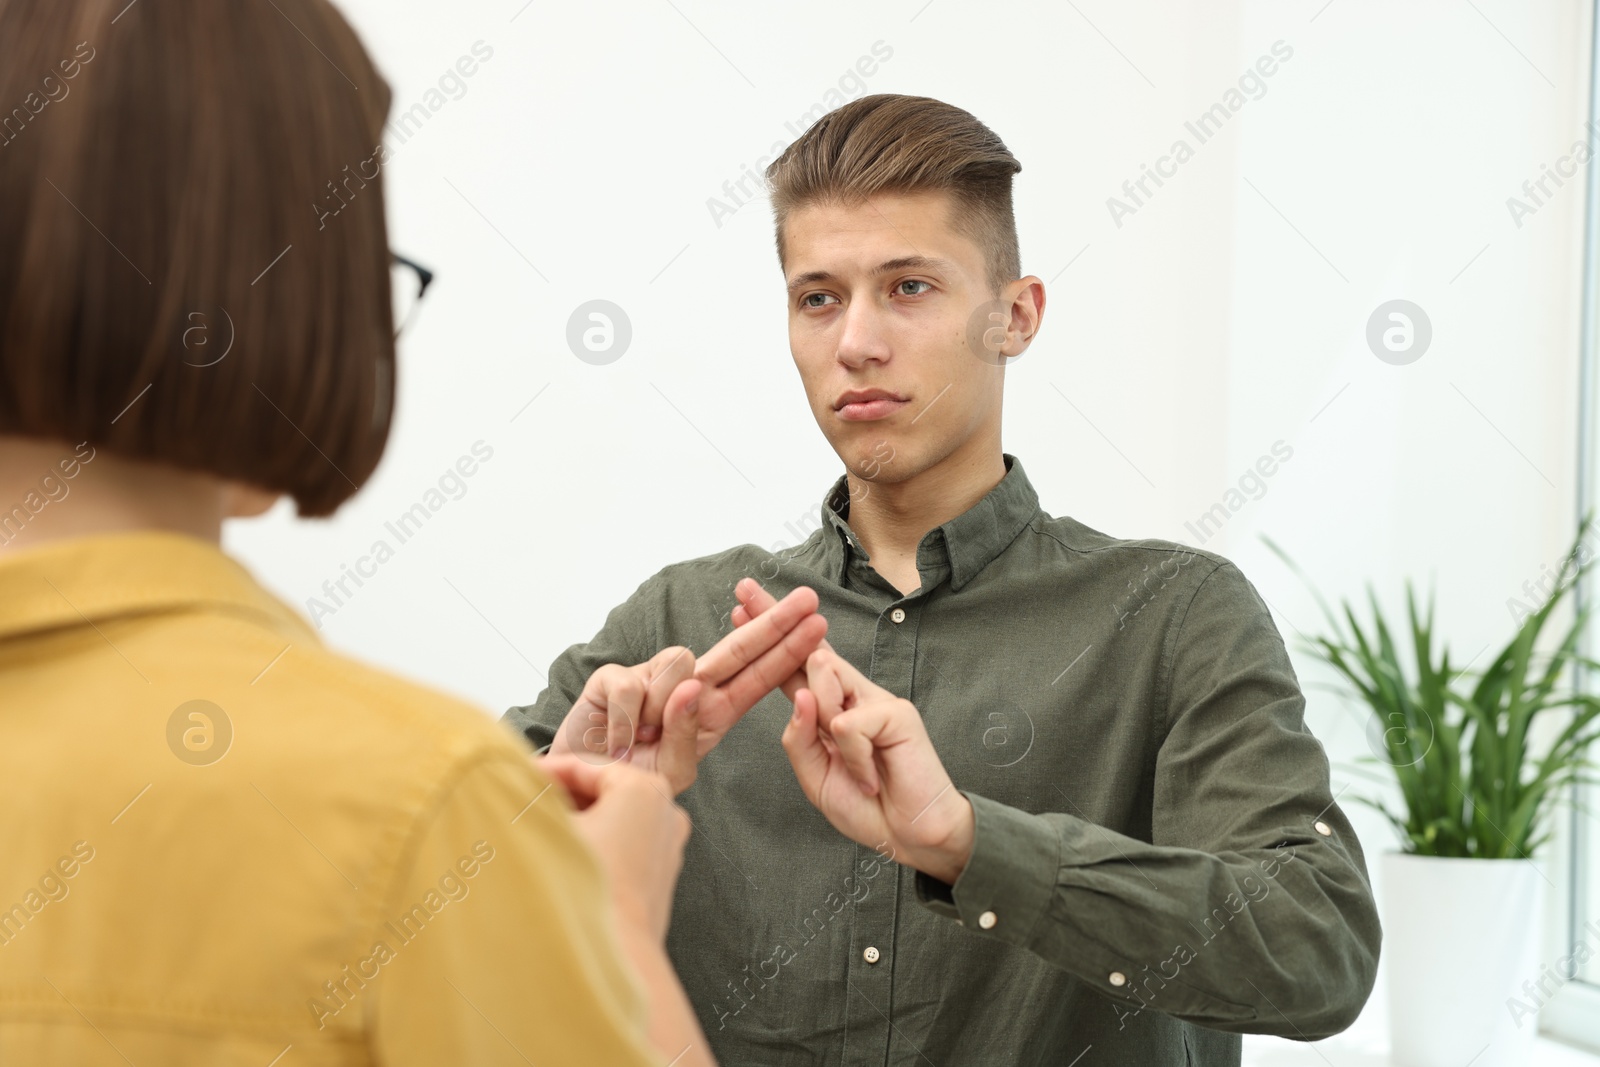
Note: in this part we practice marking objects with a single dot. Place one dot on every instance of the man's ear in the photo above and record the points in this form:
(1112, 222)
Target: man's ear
(241, 501)
(1025, 296)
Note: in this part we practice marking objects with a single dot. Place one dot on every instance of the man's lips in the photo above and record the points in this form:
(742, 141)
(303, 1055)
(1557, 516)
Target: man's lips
(868, 410)
(864, 405)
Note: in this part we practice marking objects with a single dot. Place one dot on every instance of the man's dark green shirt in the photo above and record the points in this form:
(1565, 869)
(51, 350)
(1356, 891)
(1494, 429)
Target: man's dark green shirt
(1159, 865)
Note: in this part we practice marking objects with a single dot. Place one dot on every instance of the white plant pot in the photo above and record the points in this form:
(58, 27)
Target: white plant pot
(1460, 936)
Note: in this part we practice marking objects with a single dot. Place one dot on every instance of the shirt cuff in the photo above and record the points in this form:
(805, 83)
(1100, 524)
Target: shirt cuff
(1009, 879)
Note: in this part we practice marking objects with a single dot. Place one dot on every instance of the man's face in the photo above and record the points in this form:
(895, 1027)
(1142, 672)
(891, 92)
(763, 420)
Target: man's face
(880, 299)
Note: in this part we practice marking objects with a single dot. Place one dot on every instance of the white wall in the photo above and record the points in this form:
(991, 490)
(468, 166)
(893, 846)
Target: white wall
(1226, 314)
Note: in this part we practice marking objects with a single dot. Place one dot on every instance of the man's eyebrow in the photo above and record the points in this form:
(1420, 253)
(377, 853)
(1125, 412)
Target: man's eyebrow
(802, 280)
(927, 263)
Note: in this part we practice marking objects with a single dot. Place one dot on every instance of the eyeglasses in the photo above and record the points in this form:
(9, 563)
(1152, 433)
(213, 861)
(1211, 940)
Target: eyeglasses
(408, 281)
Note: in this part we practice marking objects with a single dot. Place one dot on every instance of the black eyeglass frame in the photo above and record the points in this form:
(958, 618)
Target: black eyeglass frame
(424, 279)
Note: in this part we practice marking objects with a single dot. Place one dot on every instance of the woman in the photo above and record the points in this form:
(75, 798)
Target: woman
(227, 844)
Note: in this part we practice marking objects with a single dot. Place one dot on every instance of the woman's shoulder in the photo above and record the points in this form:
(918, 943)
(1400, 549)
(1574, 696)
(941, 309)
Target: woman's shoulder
(371, 715)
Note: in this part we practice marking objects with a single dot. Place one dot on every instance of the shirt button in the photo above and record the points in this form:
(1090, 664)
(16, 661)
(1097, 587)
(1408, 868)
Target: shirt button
(1118, 978)
(1322, 828)
(987, 920)
(871, 954)
(898, 614)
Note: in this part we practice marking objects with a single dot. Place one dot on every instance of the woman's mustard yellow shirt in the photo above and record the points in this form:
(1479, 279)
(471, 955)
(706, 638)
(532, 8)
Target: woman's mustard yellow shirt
(225, 844)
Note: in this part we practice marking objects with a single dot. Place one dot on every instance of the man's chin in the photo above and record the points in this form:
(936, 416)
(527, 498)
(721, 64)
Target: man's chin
(878, 457)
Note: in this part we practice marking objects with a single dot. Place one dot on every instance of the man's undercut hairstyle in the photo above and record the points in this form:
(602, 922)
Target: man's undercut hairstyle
(887, 143)
(194, 267)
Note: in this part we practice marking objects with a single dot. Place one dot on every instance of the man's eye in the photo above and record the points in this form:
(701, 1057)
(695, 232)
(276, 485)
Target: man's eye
(901, 288)
(811, 300)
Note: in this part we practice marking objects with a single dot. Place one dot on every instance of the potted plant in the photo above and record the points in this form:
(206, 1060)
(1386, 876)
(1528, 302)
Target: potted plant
(1462, 898)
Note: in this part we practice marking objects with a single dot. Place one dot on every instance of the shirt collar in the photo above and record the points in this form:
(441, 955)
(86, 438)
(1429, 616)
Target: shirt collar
(966, 544)
(85, 580)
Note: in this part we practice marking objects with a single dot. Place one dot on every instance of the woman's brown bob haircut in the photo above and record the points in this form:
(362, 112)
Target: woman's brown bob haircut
(887, 143)
(169, 172)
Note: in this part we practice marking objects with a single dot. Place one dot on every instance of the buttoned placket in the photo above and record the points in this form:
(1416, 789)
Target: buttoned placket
(876, 918)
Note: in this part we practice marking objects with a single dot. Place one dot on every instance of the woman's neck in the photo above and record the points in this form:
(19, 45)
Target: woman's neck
(53, 490)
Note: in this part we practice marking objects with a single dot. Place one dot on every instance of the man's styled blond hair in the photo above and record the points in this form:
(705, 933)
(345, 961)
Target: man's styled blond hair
(888, 143)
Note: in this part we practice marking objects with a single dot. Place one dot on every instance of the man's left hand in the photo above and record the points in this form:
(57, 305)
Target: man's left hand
(863, 758)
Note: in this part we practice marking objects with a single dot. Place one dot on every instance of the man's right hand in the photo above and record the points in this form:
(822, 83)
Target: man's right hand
(623, 712)
(753, 600)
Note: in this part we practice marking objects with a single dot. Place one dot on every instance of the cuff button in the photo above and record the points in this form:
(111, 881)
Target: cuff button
(1322, 828)
(987, 920)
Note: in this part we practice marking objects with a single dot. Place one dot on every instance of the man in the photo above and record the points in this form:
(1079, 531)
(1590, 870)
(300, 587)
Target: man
(1051, 799)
